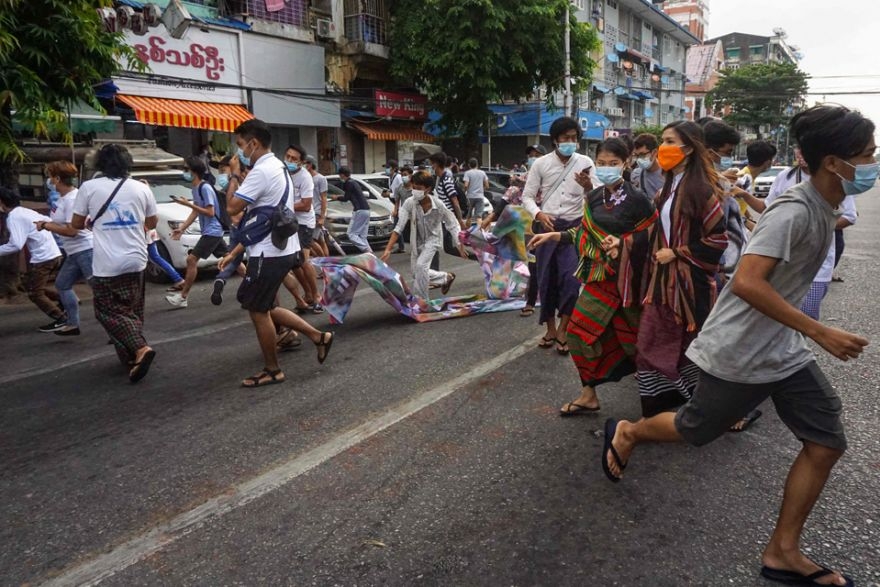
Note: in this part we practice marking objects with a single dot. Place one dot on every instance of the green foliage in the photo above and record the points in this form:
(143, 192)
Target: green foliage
(760, 94)
(654, 129)
(52, 52)
(464, 54)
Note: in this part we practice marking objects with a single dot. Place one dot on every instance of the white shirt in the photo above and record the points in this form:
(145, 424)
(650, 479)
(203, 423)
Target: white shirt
(320, 188)
(475, 178)
(120, 246)
(666, 211)
(304, 188)
(396, 182)
(22, 231)
(567, 203)
(264, 186)
(63, 214)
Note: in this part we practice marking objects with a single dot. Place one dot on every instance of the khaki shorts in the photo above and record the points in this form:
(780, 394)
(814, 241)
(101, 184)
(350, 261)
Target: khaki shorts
(804, 401)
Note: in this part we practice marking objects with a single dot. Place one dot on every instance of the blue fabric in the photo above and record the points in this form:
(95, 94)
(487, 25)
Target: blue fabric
(76, 266)
(204, 196)
(164, 265)
(358, 228)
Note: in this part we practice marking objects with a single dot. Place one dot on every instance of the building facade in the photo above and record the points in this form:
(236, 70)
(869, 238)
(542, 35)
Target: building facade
(704, 65)
(746, 49)
(690, 14)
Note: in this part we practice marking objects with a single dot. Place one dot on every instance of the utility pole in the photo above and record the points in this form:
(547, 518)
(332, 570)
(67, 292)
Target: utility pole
(567, 96)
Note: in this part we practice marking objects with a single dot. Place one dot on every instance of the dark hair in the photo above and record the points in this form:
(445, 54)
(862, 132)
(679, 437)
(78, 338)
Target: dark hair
(255, 129)
(826, 130)
(615, 146)
(311, 162)
(298, 149)
(472, 163)
(65, 170)
(392, 163)
(646, 140)
(759, 152)
(717, 134)
(406, 168)
(423, 179)
(564, 124)
(700, 179)
(702, 121)
(439, 158)
(628, 141)
(9, 198)
(196, 165)
(225, 162)
(344, 171)
(114, 161)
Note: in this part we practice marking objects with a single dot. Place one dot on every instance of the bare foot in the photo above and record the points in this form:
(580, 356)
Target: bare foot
(623, 444)
(795, 561)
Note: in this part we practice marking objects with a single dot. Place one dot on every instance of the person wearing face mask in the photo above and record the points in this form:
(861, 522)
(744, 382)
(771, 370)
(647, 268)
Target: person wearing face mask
(401, 195)
(427, 218)
(204, 208)
(319, 207)
(533, 152)
(602, 330)
(563, 178)
(303, 191)
(359, 226)
(756, 323)
(647, 175)
(687, 246)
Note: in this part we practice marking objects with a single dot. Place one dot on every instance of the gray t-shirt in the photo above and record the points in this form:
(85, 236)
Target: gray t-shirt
(740, 344)
(475, 179)
(649, 182)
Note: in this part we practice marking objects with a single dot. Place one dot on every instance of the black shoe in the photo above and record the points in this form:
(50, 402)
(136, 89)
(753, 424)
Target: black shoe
(74, 331)
(217, 296)
(53, 326)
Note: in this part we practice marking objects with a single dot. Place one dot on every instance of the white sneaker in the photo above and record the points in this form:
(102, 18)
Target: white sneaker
(176, 300)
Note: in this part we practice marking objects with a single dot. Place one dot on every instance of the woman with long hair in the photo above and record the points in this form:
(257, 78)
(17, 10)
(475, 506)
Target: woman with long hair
(602, 331)
(680, 285)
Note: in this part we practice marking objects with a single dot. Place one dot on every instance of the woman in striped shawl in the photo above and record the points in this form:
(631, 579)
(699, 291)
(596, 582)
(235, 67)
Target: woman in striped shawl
(680, 287)
(602, 331)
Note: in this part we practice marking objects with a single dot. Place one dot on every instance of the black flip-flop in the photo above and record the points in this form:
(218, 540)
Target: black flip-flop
(546, 343)
(526, 312)
(579, 411)
(610, 429)
(750, 419)
(562, 343)
(257, 380)
(139, 370)
(795, 578)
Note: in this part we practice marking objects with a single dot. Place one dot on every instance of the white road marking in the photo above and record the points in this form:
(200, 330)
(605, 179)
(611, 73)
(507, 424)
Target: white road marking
(133, 551)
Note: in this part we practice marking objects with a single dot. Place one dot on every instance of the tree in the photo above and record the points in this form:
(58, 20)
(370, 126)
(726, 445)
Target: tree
(761, 94)
(52, 52)
(653, 129)
(465, 54)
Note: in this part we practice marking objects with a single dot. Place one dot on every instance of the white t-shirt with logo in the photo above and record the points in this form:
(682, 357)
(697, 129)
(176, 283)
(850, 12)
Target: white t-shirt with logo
(304, 188)
(63, 214)
(120, 245)
(264, 186)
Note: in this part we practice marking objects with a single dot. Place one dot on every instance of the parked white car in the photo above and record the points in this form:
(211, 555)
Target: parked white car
(764, 181)
(339, 213)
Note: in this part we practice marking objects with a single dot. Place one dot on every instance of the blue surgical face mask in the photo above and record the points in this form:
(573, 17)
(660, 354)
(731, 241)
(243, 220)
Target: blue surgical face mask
(187, 176)
(567, 149)
(50, 185)
(725, 164)
(292, 166)
(530, 162)
(609, 175)
(645, 162)
(223, 181)
(864, 179)
(242, 158)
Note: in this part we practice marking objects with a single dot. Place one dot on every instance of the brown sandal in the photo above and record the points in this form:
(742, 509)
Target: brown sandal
(324, 346)
(259, 380)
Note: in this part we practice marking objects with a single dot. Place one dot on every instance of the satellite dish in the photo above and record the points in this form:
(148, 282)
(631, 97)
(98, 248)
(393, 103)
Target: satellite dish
(176, 19)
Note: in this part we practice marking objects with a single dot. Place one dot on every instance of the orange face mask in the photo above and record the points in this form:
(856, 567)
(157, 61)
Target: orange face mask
(669, 156)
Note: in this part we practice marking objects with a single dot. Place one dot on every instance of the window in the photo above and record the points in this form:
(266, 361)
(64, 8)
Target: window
(365, 21)
(733, 54)
(579, 4)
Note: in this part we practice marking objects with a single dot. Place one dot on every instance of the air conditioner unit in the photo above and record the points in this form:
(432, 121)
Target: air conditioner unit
(325, 28)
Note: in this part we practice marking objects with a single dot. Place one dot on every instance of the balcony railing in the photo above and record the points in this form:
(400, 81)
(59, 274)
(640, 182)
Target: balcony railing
(365, 21)
(291, 12)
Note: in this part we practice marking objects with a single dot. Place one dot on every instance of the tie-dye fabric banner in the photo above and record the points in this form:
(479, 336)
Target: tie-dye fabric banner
(501, 260)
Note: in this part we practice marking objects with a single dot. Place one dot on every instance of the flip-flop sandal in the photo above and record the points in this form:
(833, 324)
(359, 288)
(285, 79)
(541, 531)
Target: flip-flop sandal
(324, 346)
(581, 410)
(610, 429)
(546, 343)
(302, 310)
(750, 419)
(795, 578)
(259, 380)
(446, 286)
(526, 312)
(139, 370)
(288, 340)
(561, 343)
(317, 309)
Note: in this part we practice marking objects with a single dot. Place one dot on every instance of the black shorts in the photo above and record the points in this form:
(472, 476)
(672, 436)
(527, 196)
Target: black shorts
(306, 236)
(209, 245)
(258, 291)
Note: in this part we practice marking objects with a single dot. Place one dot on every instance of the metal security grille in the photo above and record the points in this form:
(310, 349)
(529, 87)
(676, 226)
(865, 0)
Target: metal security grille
(365, 21)
(292, 12)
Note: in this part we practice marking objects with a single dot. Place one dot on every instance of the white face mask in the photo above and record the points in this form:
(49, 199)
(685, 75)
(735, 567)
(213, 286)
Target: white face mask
(419, 195)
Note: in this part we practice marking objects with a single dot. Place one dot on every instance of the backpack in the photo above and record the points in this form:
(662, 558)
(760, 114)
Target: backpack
(220, 212)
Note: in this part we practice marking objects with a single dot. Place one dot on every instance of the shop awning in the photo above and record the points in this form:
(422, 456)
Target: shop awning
(187, 114)
(386, 131)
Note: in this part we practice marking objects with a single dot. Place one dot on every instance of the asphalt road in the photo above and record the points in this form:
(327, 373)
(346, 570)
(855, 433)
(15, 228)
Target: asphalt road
(417, 454)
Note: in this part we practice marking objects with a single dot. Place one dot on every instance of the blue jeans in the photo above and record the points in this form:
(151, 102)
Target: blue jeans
(164, 265)
(358, 229)
(76, 266)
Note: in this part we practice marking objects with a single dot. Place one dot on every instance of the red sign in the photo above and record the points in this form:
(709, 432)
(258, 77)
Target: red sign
(397, 105)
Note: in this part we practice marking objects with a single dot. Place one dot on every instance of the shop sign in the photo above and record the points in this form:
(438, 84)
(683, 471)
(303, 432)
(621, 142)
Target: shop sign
(400, 105)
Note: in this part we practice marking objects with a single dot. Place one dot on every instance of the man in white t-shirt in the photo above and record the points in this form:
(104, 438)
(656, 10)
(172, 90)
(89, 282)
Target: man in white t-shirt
(120, 209)
(319, 207)
(303, 194)
(266, 185)
(476, 182)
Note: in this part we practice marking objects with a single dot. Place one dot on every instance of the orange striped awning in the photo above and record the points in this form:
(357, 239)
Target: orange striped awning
(386, 131)
(187, 114)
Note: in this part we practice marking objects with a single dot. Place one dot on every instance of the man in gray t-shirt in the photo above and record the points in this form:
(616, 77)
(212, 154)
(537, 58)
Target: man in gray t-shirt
(476, 182)
(753, 345)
